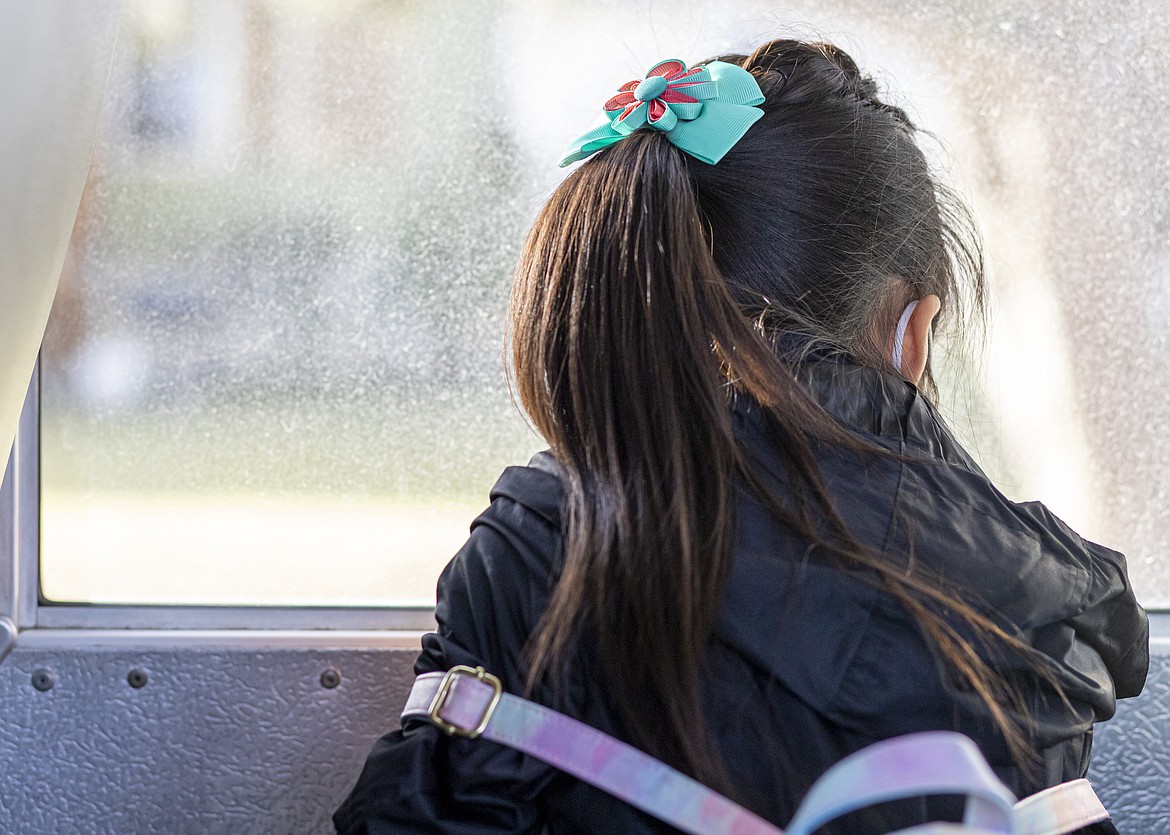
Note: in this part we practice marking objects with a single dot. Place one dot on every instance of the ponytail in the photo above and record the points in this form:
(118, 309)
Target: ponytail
(624, 339)
(613, 360)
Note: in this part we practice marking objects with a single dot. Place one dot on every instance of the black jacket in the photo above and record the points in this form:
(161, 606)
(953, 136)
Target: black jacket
(807, 664)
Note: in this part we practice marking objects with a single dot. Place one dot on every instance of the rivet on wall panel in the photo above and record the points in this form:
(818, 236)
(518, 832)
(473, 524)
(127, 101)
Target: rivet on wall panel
(43, 679)
(330, 679)
(137, 678)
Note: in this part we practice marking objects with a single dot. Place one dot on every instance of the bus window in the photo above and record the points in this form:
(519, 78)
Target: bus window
(274, 372)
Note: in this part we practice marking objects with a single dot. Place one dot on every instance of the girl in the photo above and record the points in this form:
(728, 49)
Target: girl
(753, 547)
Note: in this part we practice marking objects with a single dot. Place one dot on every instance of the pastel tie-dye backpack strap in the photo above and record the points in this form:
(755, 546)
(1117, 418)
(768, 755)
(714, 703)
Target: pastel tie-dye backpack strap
(470, 702)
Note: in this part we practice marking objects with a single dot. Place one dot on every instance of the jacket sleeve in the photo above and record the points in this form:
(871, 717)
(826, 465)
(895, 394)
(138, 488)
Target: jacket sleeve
(1109, 620)
(417, 779)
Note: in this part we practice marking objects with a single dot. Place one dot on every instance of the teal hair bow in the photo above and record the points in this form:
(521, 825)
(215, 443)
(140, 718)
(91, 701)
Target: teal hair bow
(703, 111)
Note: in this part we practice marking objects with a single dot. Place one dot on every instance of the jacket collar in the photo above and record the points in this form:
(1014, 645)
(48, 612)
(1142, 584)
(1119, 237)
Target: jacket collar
(886, 407)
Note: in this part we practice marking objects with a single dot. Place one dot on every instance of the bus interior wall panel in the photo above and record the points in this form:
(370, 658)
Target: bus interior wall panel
(190, 741)
(1130, 765)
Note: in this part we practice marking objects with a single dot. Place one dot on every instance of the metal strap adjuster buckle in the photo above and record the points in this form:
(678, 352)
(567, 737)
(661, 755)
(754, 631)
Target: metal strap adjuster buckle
(440, 699)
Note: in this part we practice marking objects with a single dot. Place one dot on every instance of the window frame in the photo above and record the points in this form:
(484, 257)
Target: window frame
(20, 556)
(20, 516)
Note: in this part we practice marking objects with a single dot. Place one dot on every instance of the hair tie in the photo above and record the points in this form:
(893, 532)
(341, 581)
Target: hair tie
(703, 111)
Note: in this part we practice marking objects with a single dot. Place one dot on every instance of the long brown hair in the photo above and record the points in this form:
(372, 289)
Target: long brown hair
(646, 299)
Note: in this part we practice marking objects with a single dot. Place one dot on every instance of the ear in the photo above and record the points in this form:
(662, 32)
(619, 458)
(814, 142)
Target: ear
(916, 342)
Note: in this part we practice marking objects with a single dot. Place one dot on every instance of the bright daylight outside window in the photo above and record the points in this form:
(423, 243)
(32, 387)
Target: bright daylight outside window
(274, 373)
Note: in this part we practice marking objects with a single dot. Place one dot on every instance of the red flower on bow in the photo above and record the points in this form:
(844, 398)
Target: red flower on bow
(663, 85)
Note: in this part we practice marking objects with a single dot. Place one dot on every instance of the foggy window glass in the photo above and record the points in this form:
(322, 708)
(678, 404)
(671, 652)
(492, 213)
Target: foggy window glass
(274, 372)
